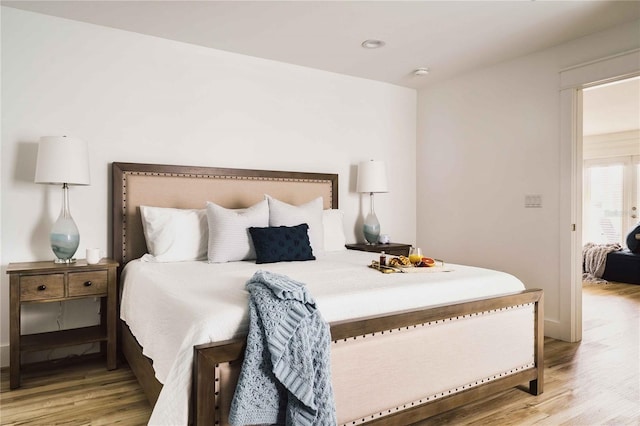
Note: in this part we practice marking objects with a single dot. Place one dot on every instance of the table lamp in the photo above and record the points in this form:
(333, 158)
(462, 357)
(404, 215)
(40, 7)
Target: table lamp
(63, 160)
(372, 178)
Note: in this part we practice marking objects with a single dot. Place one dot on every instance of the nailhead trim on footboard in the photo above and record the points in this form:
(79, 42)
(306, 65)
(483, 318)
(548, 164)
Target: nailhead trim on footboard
(449, 392)
(439, 395)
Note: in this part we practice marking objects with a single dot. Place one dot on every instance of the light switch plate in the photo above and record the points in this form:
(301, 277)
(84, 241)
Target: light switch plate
(533, 201)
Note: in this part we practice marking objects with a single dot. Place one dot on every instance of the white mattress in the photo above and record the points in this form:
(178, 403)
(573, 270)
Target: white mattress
(170, 307)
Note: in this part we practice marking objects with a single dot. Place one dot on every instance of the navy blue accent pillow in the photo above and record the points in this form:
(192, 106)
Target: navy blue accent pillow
(282, 243)
(632, 242)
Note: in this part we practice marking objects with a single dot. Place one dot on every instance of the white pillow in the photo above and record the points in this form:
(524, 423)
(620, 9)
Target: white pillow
(174, 235)
(283, 214)
(332, 222)
(229, 238)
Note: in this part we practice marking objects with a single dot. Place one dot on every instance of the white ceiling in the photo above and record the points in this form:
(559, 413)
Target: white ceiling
(449, 37)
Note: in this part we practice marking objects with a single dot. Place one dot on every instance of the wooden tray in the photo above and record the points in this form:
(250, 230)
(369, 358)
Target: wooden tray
(410, 268)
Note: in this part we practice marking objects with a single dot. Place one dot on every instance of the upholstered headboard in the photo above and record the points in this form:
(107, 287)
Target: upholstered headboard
(191, 187)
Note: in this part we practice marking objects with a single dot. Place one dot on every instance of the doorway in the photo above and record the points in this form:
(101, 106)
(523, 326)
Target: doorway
(573, 81)
(611, 161)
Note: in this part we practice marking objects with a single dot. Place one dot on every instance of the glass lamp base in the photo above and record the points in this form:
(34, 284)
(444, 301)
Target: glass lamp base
(371, 228)
(65, 261)
(65, 240)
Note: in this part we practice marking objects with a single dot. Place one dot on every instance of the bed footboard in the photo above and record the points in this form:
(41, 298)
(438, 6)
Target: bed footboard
(404, 367)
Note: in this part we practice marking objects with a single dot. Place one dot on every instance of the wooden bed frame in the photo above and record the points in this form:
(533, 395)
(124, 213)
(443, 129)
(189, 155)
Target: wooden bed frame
(402, 334)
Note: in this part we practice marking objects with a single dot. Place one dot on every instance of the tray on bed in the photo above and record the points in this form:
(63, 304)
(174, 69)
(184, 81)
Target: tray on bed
(410, 269)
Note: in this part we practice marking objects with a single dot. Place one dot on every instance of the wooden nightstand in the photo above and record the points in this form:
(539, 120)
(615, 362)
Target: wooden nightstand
(42, 282)
(394, 249)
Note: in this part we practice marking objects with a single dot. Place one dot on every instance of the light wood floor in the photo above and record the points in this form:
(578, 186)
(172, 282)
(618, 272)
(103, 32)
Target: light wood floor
(595, 382)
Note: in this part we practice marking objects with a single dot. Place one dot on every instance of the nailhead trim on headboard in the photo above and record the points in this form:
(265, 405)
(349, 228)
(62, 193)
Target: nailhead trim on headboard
(128, 173)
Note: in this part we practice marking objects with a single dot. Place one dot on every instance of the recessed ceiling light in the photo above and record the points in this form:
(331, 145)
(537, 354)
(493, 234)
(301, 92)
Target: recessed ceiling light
(372, 44)
(421, 72)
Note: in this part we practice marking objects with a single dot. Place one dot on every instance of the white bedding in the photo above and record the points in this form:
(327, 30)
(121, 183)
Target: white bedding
(170, 307)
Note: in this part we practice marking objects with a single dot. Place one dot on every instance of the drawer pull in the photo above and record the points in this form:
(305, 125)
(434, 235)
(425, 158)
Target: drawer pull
(88, 283)
(42, 287)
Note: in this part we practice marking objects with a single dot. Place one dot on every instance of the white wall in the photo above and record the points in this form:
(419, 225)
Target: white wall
(485, 140)
(137, 98)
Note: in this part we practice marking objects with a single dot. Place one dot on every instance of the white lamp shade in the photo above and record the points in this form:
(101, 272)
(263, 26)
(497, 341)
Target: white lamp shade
(372, 177)
(62, 160)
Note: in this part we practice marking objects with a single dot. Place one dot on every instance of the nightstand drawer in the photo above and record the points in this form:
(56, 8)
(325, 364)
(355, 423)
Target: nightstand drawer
(87, 283)
(41, 287)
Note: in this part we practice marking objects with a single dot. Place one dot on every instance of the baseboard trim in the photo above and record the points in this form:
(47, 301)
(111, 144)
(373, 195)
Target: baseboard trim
(4, 356)
(553, 329)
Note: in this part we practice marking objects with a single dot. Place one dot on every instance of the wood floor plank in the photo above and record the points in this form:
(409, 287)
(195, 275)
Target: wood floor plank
(594, 382)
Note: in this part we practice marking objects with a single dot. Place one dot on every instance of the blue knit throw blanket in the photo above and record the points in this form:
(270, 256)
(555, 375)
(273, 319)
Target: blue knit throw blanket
(286, 372)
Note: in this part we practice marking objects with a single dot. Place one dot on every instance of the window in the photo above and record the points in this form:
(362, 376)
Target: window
(611, 194)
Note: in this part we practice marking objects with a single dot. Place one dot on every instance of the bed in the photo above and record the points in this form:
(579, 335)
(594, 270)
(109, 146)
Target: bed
(395, 365)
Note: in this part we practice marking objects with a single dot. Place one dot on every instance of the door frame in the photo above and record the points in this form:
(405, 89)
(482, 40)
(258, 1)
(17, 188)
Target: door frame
(572, 81)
